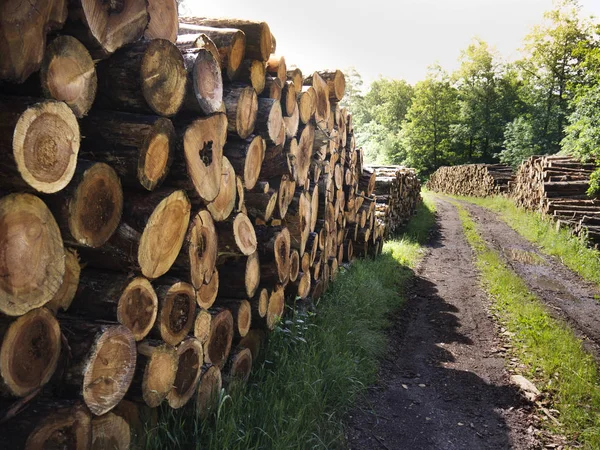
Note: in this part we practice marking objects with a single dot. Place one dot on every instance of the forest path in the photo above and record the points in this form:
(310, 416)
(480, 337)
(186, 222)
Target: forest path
(444, 383)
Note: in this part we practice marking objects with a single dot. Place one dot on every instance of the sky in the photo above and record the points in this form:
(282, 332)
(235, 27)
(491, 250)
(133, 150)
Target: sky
(391, 39)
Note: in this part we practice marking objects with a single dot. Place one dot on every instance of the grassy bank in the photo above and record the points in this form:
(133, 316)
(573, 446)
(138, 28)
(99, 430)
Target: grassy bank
(571, 250)
(553, 355)
(314, 365)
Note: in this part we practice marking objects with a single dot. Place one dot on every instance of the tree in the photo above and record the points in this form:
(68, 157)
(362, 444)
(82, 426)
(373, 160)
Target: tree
(427, 132)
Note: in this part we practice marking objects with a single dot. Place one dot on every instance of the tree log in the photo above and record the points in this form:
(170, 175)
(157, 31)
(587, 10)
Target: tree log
(204, 91)
(222, 206)
(207, 293)
(157, 365)
(218, 346)
(276, 67)
(246, 156)
(163, 22)
(23, 35)
(111, 431)
(147, 77)
(68, 74)
(236, 237)
(140, 148)
(253, 72)
(177, 310)
(240, 365)
(274, 245)
(32, 257)
(39, 143)
(244, 277)
(208, 390)
(189, 370)
(241, 104)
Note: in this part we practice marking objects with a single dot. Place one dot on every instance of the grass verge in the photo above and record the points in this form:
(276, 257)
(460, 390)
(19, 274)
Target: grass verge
(553, 355)
(571, 250)
(314, 364)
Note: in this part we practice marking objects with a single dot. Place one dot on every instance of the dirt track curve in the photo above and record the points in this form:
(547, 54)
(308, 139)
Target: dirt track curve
(444, 384)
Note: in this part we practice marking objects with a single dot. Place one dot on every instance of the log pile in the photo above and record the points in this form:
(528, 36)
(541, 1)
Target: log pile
(476, 180)
(166, 187)
(557, 185)
(398, 191)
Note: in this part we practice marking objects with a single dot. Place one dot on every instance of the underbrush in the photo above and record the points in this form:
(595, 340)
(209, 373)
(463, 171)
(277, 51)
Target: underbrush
(314, 365)
(554, 357)
(541, 230)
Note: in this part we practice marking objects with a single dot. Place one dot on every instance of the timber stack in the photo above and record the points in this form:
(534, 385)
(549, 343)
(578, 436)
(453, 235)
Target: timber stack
(398, 192)
(168, 183)
(475, 180)
(557, 185)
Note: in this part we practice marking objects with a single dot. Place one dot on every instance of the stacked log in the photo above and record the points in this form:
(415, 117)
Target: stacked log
(152, 234)
(475, 180)
(397, 192)
(557, 185)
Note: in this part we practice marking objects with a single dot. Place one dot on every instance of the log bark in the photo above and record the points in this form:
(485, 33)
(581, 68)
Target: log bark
(261, 205)
(163, 22)
(273, 88)
(89, 209)
(68, 74)
(104, 28)
(253, 72)
(140, 148)
(246, 156)
(274, 245)
(30, 349)
(258, 34)
(241, 104)
(336, 83)
(230, 44)
(101, 362)
(32, 265)
(23, 36)
(39, 143)
(189, 370)
(244, 277)
(145, 77)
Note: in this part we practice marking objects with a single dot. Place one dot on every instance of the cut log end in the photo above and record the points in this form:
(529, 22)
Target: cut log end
(203, 146)
(68, 74)
(222, 206)
(65, 294)
(159, 373)
(207, 293)
(202, 248)
(245, 236)
(96, 206)
(216, 349)
(163, 77)
(109, 370)
(208, 82)
(294, 265)
(32, 257)
(208, 390)
(178, 312)
(241, 365)
(163, 23)
(282, 249)
(156, 154)
(163, 235)
(45, 146)
(189, 370)
(72, 425)
(276, 307)
(243, 317)
(253, 162)
(29, 352)
(138, 307)
(263, 302)
(202, 326)
(110, 431)
(252, 275)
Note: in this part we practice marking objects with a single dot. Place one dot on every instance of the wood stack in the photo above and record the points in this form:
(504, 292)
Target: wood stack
(557, 185)
(398, 191)
(165, 188)
(476, 180)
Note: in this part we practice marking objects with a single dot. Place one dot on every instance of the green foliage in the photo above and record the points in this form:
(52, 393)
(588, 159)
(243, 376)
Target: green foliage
(315, 365)
(551, 353)
(427, 132)
(519, 142)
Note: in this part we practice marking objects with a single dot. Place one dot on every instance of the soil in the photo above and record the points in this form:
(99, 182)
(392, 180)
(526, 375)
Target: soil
(566, 294)
(444, 383)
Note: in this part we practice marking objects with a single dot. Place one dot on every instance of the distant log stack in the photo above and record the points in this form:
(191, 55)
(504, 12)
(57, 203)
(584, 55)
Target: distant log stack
(475, 180)
(150, 236)
(557, 185)
(397, 192)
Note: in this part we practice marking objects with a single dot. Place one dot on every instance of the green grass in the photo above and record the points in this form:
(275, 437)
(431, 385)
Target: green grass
(314, 366)
(553, 355)
(571, 250)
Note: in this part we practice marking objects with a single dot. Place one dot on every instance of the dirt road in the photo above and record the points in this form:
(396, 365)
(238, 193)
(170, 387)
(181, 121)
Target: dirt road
(444, 384)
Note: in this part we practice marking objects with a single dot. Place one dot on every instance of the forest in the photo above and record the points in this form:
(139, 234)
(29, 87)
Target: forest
(491, 110)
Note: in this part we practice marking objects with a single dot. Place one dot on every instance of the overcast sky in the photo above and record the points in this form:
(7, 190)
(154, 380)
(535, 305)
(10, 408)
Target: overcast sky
(394, 39)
